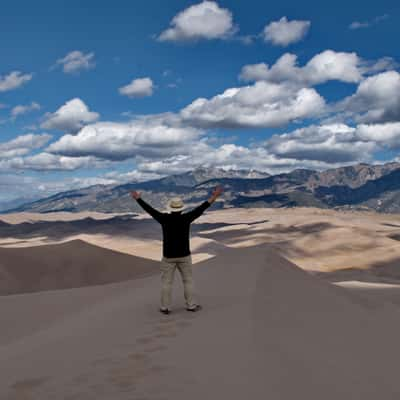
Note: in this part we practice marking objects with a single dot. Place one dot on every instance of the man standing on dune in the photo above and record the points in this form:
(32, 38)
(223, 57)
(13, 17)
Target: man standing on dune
(176, 248)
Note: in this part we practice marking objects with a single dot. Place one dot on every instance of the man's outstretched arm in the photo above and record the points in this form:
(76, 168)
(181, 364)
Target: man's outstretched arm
(157, 215)
(192, 215)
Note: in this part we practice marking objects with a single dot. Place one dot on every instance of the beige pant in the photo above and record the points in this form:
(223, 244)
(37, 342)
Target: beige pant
(168, 266)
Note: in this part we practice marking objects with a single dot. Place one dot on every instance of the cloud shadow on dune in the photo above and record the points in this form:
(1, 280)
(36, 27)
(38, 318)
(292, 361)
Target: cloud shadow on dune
(121, 225)
(382, 272)
(231, 235)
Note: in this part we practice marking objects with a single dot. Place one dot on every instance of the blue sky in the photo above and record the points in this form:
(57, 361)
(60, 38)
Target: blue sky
(120, 91)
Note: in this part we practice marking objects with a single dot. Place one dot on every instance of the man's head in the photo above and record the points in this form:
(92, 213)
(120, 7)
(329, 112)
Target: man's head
(176, 205)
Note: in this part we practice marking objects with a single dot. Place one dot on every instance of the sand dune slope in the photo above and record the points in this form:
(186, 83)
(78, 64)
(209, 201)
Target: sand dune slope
(67, 265)
(268, 330)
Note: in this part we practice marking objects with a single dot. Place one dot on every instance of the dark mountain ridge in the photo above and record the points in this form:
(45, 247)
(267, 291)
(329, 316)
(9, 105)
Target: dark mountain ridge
(360, 186)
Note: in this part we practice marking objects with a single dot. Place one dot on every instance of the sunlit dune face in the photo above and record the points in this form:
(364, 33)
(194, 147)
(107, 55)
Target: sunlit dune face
(314, 239)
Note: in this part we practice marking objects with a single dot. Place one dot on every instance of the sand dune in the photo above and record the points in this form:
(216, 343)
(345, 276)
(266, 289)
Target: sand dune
(314, 239)
(67, 265)
(79, 311)
(268, 330)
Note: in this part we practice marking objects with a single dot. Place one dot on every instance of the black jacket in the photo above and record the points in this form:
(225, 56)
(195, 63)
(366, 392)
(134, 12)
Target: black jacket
(175, 228)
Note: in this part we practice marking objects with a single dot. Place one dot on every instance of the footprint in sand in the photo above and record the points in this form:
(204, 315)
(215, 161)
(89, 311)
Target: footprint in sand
(25, 388)
(170, 334)
(133, 368)
(165, 329)
(172, 326)
(183, 324)
(142, 357)
(156, 348)
(145, 340)
(101, 361)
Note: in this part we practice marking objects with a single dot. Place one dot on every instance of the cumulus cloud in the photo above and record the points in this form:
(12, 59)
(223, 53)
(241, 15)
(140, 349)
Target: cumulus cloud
(70, 117)
(228, 157)
(23, 144)
(377, 99)
(23, 109)
(335, 143)
(387, 135)
(141, 87)
(316, 147)
(206, 20)
(157, 136)
(263, 104)
(325, 66)
(51, 162)
(132, 176)
(284, 32)
(13, 80)
(76, 61)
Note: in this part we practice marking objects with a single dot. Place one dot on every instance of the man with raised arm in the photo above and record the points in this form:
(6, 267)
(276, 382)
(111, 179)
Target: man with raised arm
(176, 247)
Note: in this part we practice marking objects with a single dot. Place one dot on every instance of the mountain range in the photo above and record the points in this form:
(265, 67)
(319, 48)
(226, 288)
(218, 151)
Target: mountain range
(361, 186)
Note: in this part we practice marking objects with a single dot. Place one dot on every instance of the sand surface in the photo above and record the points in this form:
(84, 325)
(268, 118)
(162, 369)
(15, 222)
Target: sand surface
(314, 239)
(82, 322)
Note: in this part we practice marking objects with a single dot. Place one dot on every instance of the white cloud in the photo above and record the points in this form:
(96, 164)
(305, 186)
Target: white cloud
(16, 185)
(21, 109)
(377, 99)
(131, 176)
(325, 66)
(263, 104)
(23, 144)
(76, 61)
(381, 65)
(13, 80)
(156, 136)
(284, 32)
(51, 162)
(359, 25)
(205, 20)
(228, 156)
(335, 143)
(387, 135)
(260, 71)
(141, 87)
(70, 117)
(84, 182)
(368, 23)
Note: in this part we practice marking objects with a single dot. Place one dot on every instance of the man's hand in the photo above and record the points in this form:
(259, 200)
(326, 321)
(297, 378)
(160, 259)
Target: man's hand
(135, 195)
(217, 191)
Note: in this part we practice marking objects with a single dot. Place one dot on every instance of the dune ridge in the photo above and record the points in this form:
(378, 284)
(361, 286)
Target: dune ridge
(268, 330)
(65, 265)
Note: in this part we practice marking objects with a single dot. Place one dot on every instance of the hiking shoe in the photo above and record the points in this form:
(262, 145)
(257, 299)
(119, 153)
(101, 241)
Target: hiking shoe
(165, 310)
(194, 309)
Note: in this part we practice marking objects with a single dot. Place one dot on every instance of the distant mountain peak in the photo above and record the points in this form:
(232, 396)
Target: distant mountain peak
(375, 186)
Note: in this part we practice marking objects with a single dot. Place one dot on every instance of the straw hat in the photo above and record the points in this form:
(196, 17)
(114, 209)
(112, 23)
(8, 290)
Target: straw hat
(175, 204)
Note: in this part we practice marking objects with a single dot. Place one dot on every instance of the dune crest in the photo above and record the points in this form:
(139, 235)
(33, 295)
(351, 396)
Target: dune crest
(71, 264)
